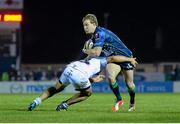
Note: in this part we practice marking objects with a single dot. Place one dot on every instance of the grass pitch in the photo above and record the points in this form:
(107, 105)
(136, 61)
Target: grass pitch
(160, 108)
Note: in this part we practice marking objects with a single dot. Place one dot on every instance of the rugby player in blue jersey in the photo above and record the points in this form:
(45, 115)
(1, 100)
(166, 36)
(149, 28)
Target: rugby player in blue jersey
(106, 43)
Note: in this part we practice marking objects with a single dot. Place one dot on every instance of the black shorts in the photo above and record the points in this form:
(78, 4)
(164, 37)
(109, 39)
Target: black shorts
(125, 65)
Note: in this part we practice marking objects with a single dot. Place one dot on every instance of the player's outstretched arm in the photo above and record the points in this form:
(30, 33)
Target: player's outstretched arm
(97, 78)
(122, 59)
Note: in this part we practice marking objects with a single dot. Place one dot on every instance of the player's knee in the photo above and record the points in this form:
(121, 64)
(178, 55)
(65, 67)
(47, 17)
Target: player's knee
(87, 93)
(131, 85)
(52, 91)
(111, 79)
(61, 88)
(112, 71)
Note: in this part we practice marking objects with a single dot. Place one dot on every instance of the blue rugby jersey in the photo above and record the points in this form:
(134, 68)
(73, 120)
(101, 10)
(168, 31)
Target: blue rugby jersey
(110, 43)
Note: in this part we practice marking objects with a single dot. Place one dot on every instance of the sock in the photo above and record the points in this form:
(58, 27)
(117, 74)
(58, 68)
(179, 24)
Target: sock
(37, 100)
(115, 88)
(132, 94)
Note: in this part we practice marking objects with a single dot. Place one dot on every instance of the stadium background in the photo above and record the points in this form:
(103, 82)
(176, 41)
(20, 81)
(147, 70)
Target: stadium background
(51, 35)
(49, 28)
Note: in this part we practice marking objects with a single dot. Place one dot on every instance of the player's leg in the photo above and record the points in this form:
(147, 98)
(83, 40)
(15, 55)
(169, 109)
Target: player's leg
(46, 94)
(112, 71)
(128, 75)
(81, 83)
(78, 97)
(83, 95)
(52, 90)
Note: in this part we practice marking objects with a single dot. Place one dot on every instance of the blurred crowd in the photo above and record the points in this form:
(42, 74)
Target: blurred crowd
(30, 75)
(48, 74)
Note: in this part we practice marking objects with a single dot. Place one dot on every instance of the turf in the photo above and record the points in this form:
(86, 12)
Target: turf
(160, 108)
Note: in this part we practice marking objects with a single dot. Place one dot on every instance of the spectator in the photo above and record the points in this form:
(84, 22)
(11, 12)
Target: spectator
(43, 78)
(37, 75)
(13, 73)
(177, 73)
(19, 75)
(50, 73)
(5, 76)
(27, 75)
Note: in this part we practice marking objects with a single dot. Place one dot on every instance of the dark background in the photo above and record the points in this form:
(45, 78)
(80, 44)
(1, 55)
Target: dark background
(53, 32)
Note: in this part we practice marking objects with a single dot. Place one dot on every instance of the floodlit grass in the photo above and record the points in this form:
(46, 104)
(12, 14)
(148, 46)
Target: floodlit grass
(160, 108)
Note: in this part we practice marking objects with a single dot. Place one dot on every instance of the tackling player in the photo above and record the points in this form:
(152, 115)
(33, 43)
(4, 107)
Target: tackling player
(106, 43)
(79, 74)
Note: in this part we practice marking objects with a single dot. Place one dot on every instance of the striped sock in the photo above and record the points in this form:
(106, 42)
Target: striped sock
(37, 101)
(115, 88)
(132, 94)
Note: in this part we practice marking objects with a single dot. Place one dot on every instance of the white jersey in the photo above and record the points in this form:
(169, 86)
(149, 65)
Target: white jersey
(79, 72)
(89, 68)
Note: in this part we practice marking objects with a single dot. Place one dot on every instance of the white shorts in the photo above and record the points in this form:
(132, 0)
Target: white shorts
(79, 80)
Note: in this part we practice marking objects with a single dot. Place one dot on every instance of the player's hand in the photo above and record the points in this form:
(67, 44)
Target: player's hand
(87, 46)
(84, 50)
(133, 62)
(98, 78)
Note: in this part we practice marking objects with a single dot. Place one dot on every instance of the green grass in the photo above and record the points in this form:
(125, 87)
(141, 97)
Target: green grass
(160, 108)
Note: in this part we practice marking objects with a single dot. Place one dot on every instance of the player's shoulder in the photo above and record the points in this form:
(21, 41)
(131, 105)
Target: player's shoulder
(103, 31)
(100, 32)
(100, 29)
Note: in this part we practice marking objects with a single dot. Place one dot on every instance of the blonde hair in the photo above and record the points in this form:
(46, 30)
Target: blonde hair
(92, 18)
